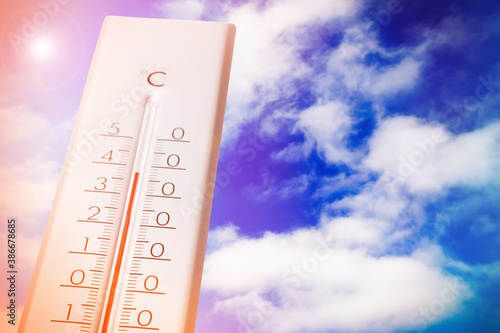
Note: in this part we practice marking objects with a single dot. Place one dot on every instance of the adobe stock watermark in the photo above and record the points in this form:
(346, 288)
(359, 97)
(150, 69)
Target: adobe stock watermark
(294, 277)
(486, 88)
(436, 308)
(44, 46)
(123, 106)
(425, 148)
(298, 274)
(384, 16)
(255, 317)
(32, 24)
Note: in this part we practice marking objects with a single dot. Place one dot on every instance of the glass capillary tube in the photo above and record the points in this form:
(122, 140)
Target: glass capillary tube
(139, 169)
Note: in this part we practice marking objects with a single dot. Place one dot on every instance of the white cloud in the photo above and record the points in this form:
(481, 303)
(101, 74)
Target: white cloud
(18, 125)
(290, 187)
(26, 195)
(328, 124)
(313, 280)
(341, 182)
(222, 236)
(28, 179)
(265, 61)
(329, 127)
(348, 71)
(427, 158)
(295, 152)
(364, 271)
(355, 231)
(398, 197)
(394, 79)
(26, 174)
(33, 181)
(284, 189)
(183, 10)
(326, 127)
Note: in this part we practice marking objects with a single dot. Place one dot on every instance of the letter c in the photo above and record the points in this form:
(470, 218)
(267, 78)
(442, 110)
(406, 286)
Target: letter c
(155, 73)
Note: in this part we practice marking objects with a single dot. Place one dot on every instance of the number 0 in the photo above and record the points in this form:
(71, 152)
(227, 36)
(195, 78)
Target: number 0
(140, 316)
(155, 283)
(73, 277)
(178, 133)
(160, 245)
(173, 160)
(172, 189)
(167, 218)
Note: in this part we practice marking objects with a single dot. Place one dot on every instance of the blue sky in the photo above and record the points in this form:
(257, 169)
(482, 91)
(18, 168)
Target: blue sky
(364, 91)
(358, 181)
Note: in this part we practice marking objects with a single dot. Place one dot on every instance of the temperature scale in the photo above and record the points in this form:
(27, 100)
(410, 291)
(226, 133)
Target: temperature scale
(124, 246)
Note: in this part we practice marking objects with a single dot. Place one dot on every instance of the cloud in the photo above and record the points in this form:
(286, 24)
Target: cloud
(26, 196)
(394, 79)
(284, 189)
(266, 61)
(364, 267)
(183, 10)
(294, 151)
(428, 159)
(35, 181)
(326, 127)
(350, 70)
(28, 180)
(342, 182)
(27, 172)
(17, 123)
(404, 187)
(222, 235)
(368, 270)
(484, 225)
(349, 76)
(310, 282)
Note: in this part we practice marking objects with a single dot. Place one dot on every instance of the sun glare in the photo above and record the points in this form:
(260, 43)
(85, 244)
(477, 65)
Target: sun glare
(42, 48)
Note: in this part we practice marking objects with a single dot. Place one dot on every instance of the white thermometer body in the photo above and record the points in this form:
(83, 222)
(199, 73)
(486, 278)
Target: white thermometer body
(124, 246)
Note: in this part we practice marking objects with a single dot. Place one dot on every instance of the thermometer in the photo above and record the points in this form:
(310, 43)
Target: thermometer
(125, 242)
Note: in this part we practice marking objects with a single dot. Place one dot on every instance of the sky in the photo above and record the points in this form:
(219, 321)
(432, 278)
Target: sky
(365, 136)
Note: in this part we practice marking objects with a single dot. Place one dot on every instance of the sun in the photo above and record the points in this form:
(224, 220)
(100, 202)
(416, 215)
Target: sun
(42, 48)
